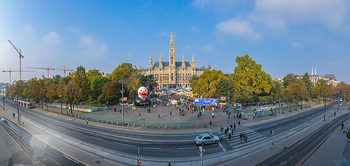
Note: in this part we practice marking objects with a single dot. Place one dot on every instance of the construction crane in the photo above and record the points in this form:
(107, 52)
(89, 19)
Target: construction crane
(10, 71)
(20, 57)
(64, 70)
(43, 68)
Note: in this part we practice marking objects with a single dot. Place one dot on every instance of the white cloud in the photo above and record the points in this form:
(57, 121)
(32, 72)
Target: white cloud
(100, 50)
(208, 47)
(161, 34)
(296, 45)
(239, 28)
(279, 14)
(216, 5)
(193, 28)
(87, 41)
(52, 38)
(126, 56)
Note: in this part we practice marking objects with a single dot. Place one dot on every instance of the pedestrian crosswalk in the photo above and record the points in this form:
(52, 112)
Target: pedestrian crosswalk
(253, 138)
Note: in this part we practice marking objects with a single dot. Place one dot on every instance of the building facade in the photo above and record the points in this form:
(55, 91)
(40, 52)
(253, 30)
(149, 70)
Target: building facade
(172, 73)
(331, 79)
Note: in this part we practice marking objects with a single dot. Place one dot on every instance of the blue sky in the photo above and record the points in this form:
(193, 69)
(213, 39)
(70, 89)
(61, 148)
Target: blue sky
(285, 36)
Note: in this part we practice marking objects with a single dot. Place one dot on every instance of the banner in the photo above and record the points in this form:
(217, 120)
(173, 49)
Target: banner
(124, 99)
(205, 101)
(223, 98)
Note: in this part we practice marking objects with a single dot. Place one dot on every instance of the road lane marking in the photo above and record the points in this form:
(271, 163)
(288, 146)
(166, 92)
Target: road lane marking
(222, 147)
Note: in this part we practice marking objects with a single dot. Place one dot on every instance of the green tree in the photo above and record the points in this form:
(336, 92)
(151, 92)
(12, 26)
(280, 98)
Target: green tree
(206, 85)
(111, 91)
(249, 78)
(318, 89)
(39, 90)
(132, 85)
(72, 94)
(80, 78)
(97, 82)
(56, 78)
(308, 83)
(288, 79)
(52, 91)
(93, 73)
(124, 69)
(148, 81)
(296, 91)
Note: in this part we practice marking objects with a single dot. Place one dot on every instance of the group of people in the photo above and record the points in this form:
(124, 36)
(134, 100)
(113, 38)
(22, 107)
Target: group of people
(230, 129)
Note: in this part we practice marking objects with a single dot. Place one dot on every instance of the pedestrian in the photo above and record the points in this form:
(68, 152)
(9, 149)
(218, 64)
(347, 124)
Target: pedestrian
(139, 112)
(169, 164)
(212, 115)
(246, 138)
(171, 113)
(120, 110)
(211, 122)
(239, 123)
(231, 125)
(198, 116)
(229, 136)
(115, 109)
(234, 126)
(335, 113)
(158, 115)
(342, 126)
(222, 130)
(13, 115)
(126, 112)
(240, 137)
(87, 121)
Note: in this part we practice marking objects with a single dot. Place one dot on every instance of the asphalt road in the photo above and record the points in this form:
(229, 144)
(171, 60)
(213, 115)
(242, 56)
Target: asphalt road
(162, 145)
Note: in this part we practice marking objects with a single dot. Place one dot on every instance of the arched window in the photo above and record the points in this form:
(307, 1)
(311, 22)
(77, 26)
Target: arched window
(172, 60)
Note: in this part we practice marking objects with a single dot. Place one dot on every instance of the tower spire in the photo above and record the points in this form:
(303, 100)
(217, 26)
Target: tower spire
(315, 71)
(172, 51)
(150, 62)
(160, 61)
(183, 60)
(193, 62)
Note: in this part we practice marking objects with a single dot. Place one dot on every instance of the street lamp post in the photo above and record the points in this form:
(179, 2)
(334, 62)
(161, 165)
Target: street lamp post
(17, 105)
(229, 90)
(325, 102)
(338, 100)
(122, 80)
(279, 100)
(3, 90)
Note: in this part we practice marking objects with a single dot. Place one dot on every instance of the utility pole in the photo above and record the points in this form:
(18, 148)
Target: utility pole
(17, 104)
(229, 89)
(279, 100)
(325, 102)
(201, 150)
(338, 100)
(122, 80)
(3, 91)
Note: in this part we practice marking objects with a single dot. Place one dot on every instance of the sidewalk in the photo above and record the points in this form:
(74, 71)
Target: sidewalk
(282, 141)
(334, 151)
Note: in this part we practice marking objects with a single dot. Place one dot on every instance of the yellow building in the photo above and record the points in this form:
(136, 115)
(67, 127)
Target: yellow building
(172, 73)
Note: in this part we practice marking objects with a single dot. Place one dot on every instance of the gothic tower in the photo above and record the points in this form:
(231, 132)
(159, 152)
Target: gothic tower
(172, 66)
(183, 61)
(160, 62)
(150, 66)
(193, 66)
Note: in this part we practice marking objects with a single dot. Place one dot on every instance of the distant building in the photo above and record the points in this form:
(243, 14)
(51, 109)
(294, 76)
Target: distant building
(330, 78)
(104, 74)
(172, 74)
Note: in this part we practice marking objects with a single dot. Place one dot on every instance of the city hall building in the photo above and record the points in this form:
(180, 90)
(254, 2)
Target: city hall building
(172, 74)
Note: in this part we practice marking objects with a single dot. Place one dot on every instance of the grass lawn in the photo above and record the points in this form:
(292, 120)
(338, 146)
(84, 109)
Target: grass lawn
(348, 135)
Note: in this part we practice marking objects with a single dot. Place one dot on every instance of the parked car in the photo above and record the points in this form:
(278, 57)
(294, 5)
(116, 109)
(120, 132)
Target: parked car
(204, 139)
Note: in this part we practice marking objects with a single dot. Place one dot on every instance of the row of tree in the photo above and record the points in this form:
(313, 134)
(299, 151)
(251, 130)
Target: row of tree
(82, 86)
(249, 84)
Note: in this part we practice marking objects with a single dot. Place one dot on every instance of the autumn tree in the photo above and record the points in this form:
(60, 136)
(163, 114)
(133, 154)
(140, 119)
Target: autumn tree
(72, 94)
(288, 79)
(97, 82)
(206, 85)
(124, 69)
(308, 83)
(296, 91)
(39, 90)
(148, 81)
(80, 78)
(111, 91)
(249, 78)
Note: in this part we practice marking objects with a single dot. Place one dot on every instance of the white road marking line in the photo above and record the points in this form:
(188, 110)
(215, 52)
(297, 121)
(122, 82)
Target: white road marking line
(222, 147)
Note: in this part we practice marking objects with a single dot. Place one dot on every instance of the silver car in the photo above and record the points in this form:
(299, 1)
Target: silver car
(206, 139)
